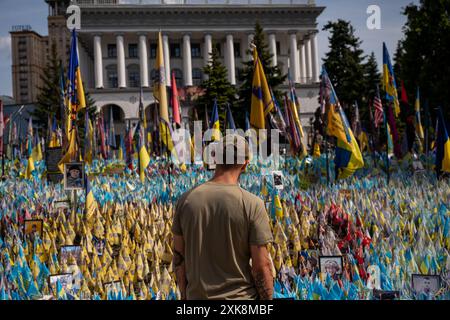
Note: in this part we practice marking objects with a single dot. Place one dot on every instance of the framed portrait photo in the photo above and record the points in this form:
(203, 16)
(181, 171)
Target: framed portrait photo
(111, 286)
(74, 176)
(333, 265)
(278, 180)
(425, 283)
(32, 227)
(66, 252)
(99, 245)
(65, 279)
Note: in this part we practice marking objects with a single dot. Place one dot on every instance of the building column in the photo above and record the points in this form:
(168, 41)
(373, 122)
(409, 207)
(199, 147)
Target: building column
(229, 60)
(121, 69)
(249, 46)
(302, 64)
(166, 53)
(98, 61)
(308, 60)
(273, 48)
(143, 59)
(187, 60)
(293, 58)
(315, 59)
(207, 50)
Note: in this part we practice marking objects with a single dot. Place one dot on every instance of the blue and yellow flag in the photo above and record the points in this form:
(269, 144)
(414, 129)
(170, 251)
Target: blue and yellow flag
(418, 122)
(76, 102)
(30, 164)
(160, 94)
(390, 86)
(75, 92)
(262, 102)
(215, 122)
(144, 158)
(91, 204)
(230, 120)
(442, 146)
(348, 155)
(88, 139)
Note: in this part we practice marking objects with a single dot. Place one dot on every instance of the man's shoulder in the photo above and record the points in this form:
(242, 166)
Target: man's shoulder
(188, 193)
(250, 197)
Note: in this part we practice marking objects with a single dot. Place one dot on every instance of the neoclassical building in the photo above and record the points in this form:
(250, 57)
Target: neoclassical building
(118, 43)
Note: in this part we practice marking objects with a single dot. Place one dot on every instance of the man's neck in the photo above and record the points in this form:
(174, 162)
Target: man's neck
(225, 178)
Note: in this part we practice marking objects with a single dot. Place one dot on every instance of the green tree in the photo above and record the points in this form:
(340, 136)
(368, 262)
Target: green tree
(49, 98)
(426, 47)
(274, 76)
(344, 62)
(372, 78)
(216, 86)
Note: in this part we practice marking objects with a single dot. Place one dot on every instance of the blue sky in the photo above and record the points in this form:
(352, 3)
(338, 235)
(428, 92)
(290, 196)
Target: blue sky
(34, 13)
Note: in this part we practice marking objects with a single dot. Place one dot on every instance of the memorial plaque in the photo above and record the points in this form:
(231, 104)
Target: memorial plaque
(52, 157)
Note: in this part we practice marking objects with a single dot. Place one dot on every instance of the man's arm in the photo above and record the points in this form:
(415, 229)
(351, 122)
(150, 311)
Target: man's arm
(262, 272)
(178, 263)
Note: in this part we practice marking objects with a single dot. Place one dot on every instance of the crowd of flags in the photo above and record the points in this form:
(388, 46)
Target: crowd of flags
(265, 113)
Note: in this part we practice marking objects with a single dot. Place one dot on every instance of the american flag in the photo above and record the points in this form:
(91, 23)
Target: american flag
(378, 106)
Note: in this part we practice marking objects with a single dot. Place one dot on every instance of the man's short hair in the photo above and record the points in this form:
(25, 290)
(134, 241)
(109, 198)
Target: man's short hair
(232, 151)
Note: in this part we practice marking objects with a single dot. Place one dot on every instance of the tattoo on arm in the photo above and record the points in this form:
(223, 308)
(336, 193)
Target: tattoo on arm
(263, 288)
(178, 259)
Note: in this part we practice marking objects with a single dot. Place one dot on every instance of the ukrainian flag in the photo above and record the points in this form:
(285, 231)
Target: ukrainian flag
(418, 122)
(91, 204)
(348, 155)
(144, 158)
(54, 141)
(76, 97)
(262, 102)
(215, 122)
(160, 94)
(230, 120)
(443, 146)
(88, 138)
(76, 101)
(30, 164)
(389, 83)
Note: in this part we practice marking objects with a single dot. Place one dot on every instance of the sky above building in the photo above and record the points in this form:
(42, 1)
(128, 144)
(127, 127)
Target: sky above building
(34, 13)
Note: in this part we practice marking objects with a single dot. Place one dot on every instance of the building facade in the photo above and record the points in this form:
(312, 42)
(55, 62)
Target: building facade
(117, 45)
(28, 62)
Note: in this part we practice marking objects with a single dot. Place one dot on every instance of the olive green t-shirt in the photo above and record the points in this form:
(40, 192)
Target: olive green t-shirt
(219, 223)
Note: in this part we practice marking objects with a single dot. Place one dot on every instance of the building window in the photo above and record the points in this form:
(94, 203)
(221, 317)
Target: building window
(111, 75)
(196, 51)
(116, 114)
(197, 77)
(175, 50)
(134, 76)
(178, 77)
(133, 50)
(218, 48)
(237, 49)
(112, 51)
(153, 51)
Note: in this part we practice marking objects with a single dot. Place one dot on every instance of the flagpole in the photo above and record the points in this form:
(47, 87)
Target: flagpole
(387, 149)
